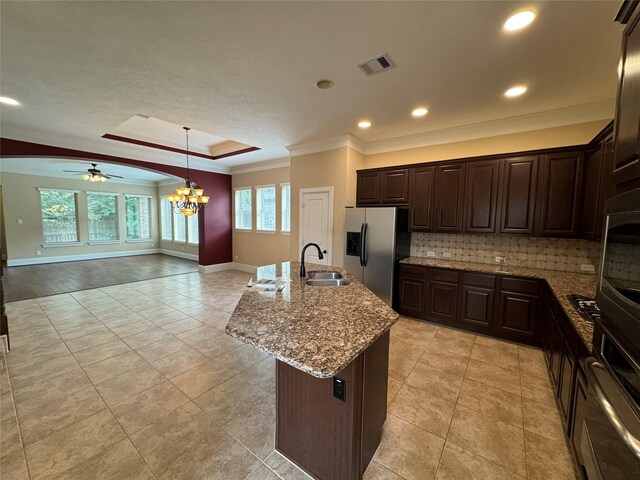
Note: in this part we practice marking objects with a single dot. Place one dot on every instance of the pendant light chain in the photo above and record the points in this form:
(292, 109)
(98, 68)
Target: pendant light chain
(188, 199)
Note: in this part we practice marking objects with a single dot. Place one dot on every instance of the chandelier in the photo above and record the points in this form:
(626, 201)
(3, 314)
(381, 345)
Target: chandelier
(188, 199)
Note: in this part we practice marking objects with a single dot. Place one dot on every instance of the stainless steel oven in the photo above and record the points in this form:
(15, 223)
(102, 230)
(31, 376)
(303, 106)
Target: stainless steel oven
(610, 433)
(618, 294)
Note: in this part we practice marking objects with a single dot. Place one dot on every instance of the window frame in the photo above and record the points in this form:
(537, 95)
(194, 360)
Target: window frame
(275, 209)
(75, 197)
(150, 239)
(118, 238)
(162, 199)
(235, 210)
(282, 230)
(192, 218)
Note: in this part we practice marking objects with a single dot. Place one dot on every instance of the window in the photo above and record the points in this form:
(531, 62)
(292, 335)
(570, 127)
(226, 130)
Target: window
(285, 226)
(138, 216)
(59, 216)
(266, 208)
(166, 226)
(243, 209)
(192, 229)
(179, 227)
(102, 210)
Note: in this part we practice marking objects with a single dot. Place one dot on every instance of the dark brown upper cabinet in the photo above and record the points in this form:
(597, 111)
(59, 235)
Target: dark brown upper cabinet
(598, 186)
(421, 188)
(395, 186)
(449, 198)
(627, 126)
(559, 195)
(481, 196)
(368, 189)
(518, 195)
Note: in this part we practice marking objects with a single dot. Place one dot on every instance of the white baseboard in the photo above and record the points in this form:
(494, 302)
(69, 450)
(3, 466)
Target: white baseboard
(243, 267)
(219, 267)
(73, 258)
(172, 253)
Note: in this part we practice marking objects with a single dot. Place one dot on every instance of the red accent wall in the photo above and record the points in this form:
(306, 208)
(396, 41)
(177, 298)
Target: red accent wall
(216, 244)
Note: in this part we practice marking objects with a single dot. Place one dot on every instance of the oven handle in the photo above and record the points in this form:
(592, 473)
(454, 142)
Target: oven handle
(592, 368)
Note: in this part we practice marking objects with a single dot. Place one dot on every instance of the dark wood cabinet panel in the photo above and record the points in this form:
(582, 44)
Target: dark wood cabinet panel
(481, 196)
(565, 384)
(395, 186)
(518, 195)
(517, 316)
(449, 198)
(368, 188)
(477, 306)
(578, 409)
(593, 166)
(627, 126)
(559, 195)
(555, 365)
(411, 296)
(421, 191)
(442, 301)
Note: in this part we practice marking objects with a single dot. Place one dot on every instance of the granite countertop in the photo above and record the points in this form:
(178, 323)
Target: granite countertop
(319, 330)
(561, 283)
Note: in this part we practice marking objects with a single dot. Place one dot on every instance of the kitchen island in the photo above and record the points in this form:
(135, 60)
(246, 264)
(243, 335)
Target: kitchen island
(332, 351)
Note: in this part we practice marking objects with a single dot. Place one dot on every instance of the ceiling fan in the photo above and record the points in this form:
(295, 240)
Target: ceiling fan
(93, 174)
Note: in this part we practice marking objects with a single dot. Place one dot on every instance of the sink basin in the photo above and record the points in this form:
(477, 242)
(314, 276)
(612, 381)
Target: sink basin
(327, 282)
(317, 274)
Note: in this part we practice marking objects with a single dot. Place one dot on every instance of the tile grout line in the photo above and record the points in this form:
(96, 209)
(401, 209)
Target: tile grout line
(15, 412)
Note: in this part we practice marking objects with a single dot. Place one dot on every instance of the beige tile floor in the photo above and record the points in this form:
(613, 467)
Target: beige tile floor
(137, 381)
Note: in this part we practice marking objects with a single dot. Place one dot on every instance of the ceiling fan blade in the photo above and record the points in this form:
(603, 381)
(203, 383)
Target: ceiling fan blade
(75, 171)
(112, 176)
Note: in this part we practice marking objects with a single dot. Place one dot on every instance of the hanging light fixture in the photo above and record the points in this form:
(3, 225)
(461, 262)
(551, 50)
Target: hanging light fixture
(188, 199)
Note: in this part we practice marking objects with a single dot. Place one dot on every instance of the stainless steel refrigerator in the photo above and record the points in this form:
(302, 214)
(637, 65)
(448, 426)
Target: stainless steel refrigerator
(376, 239)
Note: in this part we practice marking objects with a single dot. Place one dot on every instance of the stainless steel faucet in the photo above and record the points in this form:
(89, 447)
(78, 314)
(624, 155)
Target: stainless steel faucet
(303, 271)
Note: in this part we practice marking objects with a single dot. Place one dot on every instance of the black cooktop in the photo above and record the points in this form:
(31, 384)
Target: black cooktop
(587, 307)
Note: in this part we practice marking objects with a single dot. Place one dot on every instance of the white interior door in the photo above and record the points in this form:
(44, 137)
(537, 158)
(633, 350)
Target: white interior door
(316, 225)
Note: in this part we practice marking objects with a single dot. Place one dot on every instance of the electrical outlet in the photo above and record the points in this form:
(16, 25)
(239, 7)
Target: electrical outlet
(500, 259)
(587, 267)
(236, 258)
(431, 254)
(446, 255)
(38, 253)
(19, 221)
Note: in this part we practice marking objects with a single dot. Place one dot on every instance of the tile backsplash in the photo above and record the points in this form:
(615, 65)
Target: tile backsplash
(567, 255)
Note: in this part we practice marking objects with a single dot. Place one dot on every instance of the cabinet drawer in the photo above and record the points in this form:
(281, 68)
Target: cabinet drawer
(414, 271)
(520, 285)
(479, 280)
(443, 275)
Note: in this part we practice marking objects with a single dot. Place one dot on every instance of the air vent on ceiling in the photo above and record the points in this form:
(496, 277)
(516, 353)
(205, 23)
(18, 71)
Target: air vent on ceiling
(142, 115)
(377, 65)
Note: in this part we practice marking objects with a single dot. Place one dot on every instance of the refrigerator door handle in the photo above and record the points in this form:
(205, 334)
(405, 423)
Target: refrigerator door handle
(364, 245)
(361, 243)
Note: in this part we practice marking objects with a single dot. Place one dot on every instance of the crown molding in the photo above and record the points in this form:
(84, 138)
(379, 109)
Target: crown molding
(348, 140)
(266, 165)
(577, 114)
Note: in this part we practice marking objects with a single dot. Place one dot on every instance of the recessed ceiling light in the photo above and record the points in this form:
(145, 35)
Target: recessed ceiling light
(515, 91)
(364, 123)
(519, 20)
(324, 84)
(9, 101)
(419, 112)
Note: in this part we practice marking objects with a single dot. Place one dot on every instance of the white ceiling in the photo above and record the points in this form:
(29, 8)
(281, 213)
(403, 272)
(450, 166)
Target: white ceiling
(53, 167)
(247, 70)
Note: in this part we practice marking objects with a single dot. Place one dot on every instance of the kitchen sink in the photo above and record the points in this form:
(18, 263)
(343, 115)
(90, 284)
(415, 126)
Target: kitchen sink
(327, 282)
(329, 274)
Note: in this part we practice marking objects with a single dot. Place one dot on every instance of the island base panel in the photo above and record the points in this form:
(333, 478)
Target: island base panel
(328, 438)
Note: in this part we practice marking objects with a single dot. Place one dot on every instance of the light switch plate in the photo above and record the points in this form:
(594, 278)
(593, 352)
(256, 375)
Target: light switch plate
(586, 267)
(431, 254)
(446, 255)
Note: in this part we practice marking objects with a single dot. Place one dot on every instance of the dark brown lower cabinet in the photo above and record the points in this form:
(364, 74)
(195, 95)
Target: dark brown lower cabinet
(442, 294)
(328, 437)
(578, 408)
(477, 306)
(567, 376)
(412, 296)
